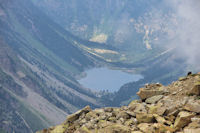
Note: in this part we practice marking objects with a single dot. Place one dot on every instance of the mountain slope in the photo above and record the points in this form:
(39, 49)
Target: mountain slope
(128, 24)
(16, 114)
(38, 64)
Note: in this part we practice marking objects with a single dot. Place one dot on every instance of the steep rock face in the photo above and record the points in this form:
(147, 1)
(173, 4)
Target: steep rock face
(175, 111)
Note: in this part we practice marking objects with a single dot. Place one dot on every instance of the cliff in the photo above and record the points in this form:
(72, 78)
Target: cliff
(161, 109)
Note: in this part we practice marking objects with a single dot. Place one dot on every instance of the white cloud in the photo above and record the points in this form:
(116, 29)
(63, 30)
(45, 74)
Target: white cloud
(187, 37)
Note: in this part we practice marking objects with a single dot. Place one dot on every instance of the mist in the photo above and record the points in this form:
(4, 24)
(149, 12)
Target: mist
(186, 39)
(178, 28)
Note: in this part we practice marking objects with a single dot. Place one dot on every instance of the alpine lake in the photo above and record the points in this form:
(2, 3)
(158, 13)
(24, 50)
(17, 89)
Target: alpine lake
(100, 79)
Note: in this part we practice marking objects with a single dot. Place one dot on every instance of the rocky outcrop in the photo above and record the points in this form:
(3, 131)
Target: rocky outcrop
(151, 90)
(161, 109)
(183, 119)
(75, 116)
(195, 90)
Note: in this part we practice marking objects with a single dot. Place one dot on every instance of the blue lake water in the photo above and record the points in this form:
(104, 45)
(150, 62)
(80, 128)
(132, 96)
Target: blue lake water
(107, 79)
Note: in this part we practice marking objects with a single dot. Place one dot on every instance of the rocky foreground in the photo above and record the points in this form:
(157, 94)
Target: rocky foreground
(161, 109)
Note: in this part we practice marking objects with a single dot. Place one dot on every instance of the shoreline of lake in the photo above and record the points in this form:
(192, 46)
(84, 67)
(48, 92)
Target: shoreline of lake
(103, 78)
